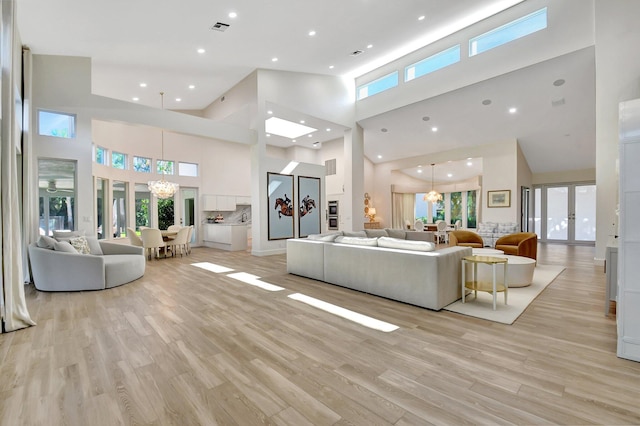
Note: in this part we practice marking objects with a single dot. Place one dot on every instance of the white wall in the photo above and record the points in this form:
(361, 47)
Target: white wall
(583, 175)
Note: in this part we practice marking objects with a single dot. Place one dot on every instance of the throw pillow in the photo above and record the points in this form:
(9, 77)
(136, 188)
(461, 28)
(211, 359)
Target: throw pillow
(46, 242)
(358, 241)
(80, 244)
(376, 233)
(94, 246)
(396, 233)
(64, 247)
(66, 235)
(406, 244)
(330, 236)
(354, 234)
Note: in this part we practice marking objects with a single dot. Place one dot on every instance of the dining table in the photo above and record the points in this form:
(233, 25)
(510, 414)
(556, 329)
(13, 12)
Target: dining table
(168, 234)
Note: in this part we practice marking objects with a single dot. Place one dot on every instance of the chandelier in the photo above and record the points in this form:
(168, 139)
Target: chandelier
(432, 196)
(161, 188)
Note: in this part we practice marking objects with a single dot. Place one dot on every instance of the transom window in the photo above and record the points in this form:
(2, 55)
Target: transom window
(187, 169)
(379, 85)
(142, 164)
(432, 63)
(118, 160)
(165, 167)
(57, 124)
(101, 155)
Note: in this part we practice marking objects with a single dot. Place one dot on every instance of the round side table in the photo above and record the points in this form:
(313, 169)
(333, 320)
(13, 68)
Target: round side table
(491, 287)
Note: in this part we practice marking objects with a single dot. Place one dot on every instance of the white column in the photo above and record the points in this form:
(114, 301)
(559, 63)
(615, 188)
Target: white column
(351, 210)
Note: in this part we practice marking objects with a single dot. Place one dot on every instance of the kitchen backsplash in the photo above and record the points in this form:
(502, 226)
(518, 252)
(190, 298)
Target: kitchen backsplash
(242, 214)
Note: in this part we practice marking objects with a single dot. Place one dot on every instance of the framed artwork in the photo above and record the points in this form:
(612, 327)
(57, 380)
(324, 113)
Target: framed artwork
(308, 200)
(280, 204)
(499, 198)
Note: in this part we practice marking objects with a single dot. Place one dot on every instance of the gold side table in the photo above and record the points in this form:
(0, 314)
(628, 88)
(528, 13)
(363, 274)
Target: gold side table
(491, 287)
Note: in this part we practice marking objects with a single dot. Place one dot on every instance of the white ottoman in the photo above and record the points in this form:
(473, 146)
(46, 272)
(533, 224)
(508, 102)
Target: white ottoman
(486, 251)
(519, 270)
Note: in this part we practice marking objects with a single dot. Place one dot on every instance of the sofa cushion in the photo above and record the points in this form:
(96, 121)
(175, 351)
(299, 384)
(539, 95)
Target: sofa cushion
(46, 242)
(80, 244)
(507, 228)
(329, 236)
(354, 234)
(375, 233)
(358, 241)
(94, 246)
(396, 233)
(405, 244)
(65, 247)
(487, 228)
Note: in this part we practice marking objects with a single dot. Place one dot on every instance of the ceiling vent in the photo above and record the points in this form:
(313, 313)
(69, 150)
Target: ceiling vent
(220, 26)
(356, 53)
(330, 167)
(558, 102)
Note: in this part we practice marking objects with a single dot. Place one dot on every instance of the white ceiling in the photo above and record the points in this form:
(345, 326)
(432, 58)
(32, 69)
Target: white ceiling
(155, 42)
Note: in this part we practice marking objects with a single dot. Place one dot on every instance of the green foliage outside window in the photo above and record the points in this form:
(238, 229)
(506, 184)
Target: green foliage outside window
(142, 212)
(142, 164)
(165, 167)
(471, 209)
(456, 207)
(165, 213)
(118, 160)
(438, 210)
(101, 155)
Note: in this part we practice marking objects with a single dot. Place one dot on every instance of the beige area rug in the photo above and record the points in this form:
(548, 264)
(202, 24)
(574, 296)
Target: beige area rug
(518, 299)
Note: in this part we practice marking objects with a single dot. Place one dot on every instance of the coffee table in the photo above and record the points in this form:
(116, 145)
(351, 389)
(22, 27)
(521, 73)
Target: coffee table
(486, 251)
(475, 284)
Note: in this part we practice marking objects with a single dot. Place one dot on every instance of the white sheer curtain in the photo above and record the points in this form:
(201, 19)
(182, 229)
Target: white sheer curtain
(403, 210)
(15, 313)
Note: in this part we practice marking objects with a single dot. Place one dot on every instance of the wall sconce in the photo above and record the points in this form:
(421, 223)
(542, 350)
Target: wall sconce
(372, 214)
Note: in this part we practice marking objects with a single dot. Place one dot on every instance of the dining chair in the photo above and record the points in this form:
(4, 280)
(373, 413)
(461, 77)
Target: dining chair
(441, 231)
(189, 239)
(457, 225)
(418, 226)
(134, 238)
(152, 241)
(179, 242)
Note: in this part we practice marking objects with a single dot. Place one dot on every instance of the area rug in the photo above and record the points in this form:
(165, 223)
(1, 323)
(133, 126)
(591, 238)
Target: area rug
(518, 299)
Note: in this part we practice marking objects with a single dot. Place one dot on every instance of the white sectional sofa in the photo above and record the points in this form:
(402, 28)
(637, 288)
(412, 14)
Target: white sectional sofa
(406, 273)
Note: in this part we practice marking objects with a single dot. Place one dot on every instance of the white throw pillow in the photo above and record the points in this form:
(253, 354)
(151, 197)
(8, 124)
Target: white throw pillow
(358, 241)
(64, 247)
(46, 242)
(325, 237)
(80, 244)
(406, 244)
(94, 246)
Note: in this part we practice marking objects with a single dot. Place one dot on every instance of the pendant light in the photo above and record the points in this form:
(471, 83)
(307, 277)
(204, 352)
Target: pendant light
(161, 188)
(433, 196)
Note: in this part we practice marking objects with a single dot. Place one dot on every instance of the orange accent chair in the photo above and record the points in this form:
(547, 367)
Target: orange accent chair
(519, 244)
(465, 239)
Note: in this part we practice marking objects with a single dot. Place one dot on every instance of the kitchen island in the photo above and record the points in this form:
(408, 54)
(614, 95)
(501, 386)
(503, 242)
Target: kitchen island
(226, 236)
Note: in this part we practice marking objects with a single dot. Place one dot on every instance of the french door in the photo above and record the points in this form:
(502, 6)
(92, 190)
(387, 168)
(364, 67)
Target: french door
(565, 213)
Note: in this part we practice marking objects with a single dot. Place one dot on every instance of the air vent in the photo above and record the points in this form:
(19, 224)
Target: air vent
(558, 102)
(220, 26)
(356, 53)
(330, 166)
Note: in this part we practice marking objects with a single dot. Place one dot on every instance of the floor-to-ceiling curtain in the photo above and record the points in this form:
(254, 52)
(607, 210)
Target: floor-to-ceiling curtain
(15, 312)
(403, 210)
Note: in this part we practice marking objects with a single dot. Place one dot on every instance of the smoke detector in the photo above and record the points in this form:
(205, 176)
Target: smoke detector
(220, 26)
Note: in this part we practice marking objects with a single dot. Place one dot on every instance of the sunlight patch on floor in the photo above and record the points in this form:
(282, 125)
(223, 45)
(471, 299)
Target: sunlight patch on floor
(254, 280)
(345, 313)
(218, 269)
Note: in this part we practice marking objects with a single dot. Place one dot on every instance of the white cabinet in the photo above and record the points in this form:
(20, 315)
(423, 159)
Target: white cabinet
(225, 237)
(225, 203)
(244, 201)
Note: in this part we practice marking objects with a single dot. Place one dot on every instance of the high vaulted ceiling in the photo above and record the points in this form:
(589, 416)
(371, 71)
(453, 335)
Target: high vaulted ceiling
(156, 41)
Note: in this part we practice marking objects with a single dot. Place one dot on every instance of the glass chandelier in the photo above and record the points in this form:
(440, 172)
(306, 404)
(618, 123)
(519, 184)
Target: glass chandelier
(161, 188)
(432, 196)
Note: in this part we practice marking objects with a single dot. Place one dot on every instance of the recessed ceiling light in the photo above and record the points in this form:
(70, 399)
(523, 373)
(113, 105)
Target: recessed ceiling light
(268, 135)
(312, 33)
(419, 170)
(434, 129)
(233, 15)
(136, 99)
(419, 165)
(293, 140)
(449, 174)
(310, 135)
(469, 158)
(201, 50)
(274, 59)
(331, 67)
(328, 129)
(421, 18)
(559, 82)
(513, 110)
(469, 163)
(143, 84)
(191, 86)
(178, 99)
(301, 121)
(285, 128)
(269, 112)
(369, 46)
(486, 102)
(379, 156)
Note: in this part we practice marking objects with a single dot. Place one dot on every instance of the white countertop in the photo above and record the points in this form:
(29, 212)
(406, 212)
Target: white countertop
(228, 224)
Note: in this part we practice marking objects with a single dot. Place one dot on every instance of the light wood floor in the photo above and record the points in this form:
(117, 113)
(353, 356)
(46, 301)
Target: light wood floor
(185, 346)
